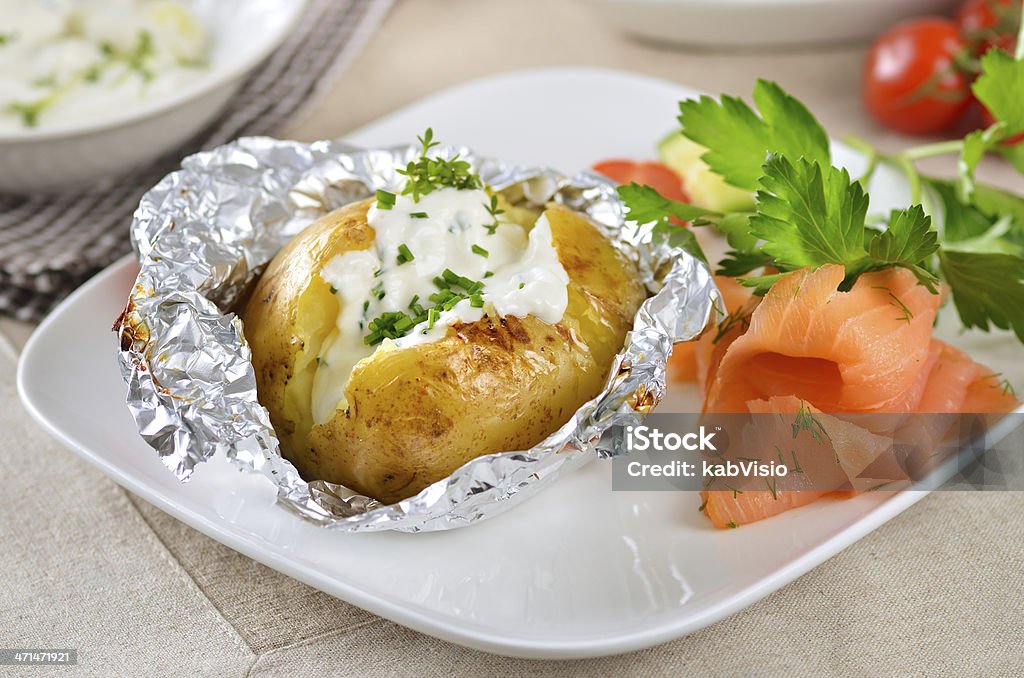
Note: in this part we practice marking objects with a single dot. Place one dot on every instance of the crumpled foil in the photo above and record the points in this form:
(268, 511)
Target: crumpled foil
(204, 234)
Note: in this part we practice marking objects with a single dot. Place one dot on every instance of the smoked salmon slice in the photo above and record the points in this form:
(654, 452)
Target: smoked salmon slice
(858, 351)
(867, 354)
(685, 363)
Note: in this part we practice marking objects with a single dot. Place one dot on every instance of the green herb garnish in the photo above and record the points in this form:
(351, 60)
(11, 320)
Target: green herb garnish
(404, 254)
(452, 289)
(141, 52)
(494, 211)
(480, 250)
(385, 200)
(418, 215)
(427, 174)
(28, 110)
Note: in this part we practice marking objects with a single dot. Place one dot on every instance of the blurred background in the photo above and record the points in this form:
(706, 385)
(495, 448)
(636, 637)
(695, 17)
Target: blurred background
(320, 69)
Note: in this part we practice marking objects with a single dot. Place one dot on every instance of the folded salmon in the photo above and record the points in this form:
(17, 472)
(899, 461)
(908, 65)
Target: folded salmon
(863, 366)
(856, 351)
(823, 453)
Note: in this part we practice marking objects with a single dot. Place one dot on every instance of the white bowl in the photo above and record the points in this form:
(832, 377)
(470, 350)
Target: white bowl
(743, 23)
(66, 156)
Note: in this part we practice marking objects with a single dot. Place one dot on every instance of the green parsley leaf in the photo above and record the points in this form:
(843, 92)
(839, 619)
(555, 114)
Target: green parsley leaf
(738, 140)
(993, 221)
(644, 205)
(988, 288)
(1000, 88)
(976, 145)
(737, 263)
(761, 283)
(736, 229)
(808, 217)
(907, 242)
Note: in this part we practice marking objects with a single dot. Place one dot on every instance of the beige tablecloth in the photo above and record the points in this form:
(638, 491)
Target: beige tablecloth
(937, 591)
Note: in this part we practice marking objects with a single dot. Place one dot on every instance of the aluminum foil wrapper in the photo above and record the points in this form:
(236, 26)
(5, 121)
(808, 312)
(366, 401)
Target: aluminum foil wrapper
(204, 234)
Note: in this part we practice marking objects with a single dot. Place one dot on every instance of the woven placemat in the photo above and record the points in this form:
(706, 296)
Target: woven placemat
(50, 245)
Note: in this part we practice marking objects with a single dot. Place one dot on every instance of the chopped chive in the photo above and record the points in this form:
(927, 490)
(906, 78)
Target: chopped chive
(451, 277)
(432, 316)
(522, 285)
(441, 282)
(476, 301)
(415, 298)
(404, 254)
(488, 274)
(418, 215)
(481, 251)
(385, 200)
(334, 290)
(366, 305)
(378, 291)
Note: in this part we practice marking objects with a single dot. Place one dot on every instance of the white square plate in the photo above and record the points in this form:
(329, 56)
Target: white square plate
(577, 571)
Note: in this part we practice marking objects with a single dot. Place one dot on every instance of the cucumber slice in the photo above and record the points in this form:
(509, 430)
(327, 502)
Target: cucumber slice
(705, 188)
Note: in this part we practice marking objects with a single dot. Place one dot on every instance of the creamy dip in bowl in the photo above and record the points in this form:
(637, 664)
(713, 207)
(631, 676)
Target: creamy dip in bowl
(90, 89)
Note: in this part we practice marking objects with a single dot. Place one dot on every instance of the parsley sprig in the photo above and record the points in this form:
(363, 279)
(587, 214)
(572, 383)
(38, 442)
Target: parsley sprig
(809, 213)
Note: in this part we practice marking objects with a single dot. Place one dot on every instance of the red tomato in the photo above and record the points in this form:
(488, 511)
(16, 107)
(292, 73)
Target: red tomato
(911, 81)
(989, 23)
(990, 120)
(653, 174)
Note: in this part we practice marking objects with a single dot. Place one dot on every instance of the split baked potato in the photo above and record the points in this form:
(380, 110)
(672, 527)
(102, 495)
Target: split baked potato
(411, 416)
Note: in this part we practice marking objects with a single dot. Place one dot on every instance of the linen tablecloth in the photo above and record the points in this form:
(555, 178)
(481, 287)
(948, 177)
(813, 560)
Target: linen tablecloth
(937, 591)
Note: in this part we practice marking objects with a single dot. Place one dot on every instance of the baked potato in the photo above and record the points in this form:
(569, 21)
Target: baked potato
(410, 416)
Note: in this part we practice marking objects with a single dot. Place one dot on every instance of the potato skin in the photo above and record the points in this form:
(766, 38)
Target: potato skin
(415, 415)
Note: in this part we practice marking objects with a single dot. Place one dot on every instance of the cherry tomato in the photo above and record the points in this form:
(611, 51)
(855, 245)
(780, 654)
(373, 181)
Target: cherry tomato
(990, 120)
(985, 24)
(653, 174)
(911, 81)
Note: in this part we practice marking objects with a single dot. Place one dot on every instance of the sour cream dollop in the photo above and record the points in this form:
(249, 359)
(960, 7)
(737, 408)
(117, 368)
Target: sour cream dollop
(448, 229)
(65, 61)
